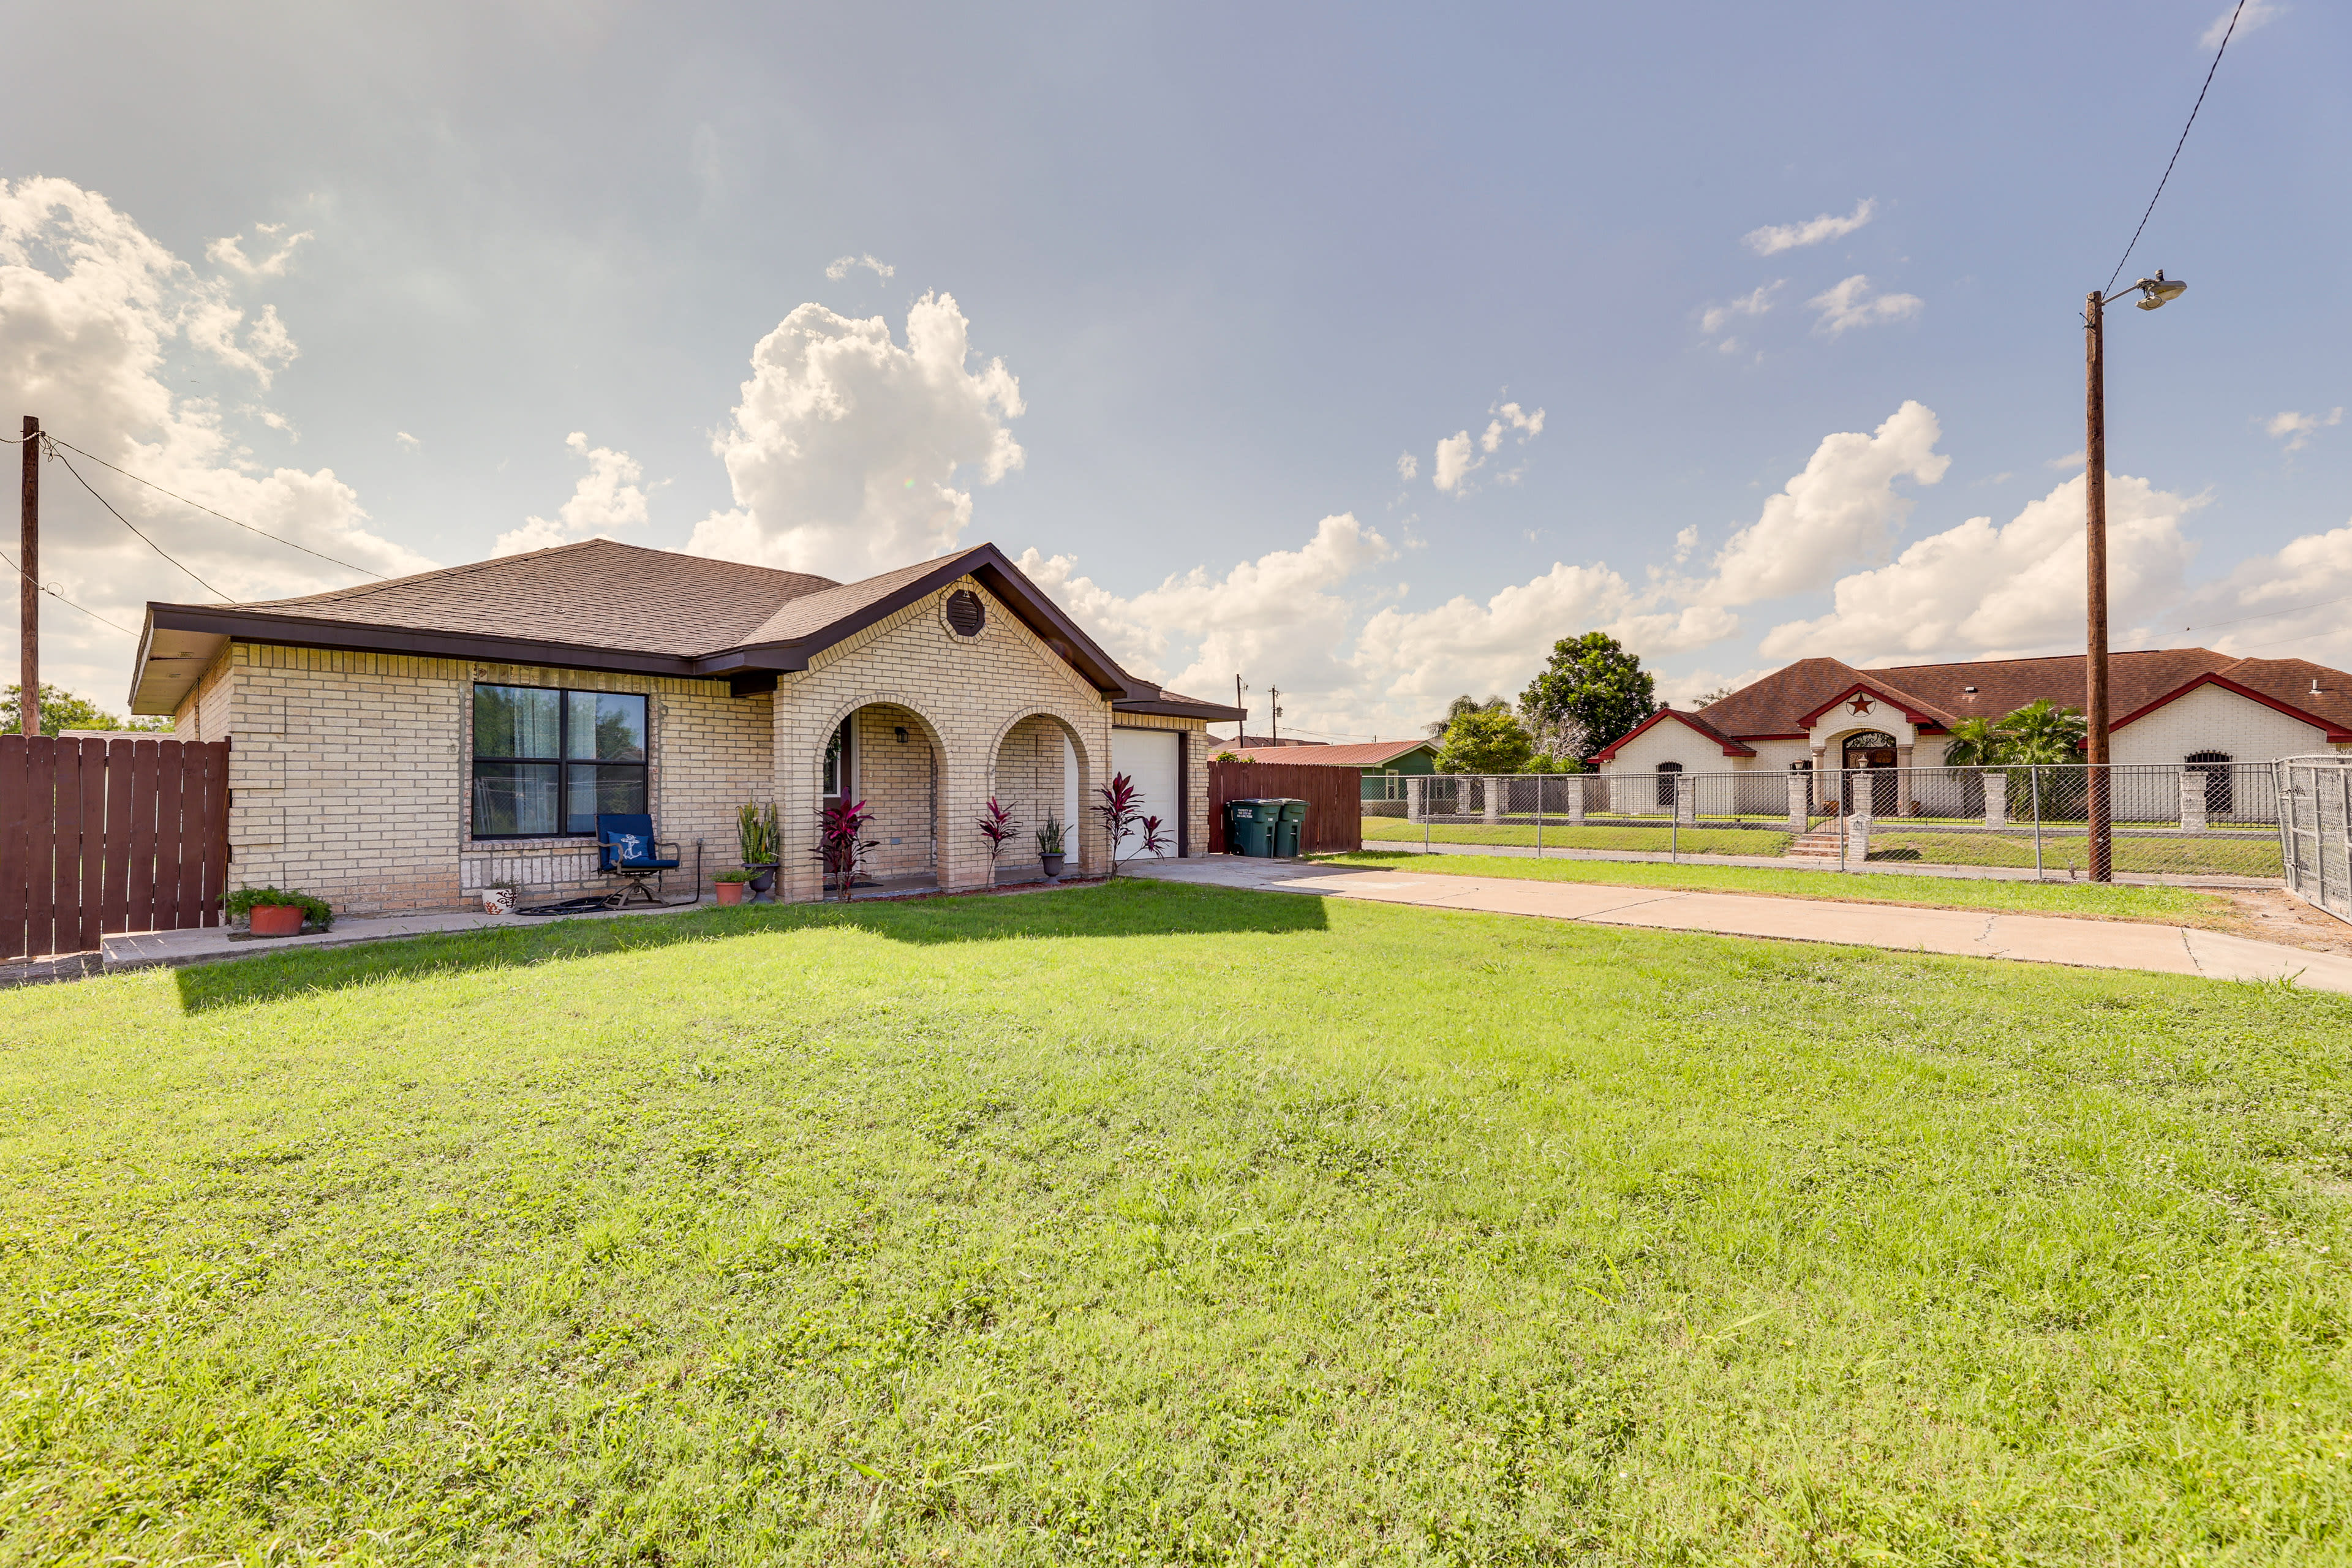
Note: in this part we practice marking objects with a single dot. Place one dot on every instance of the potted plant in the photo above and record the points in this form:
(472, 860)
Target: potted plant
(756, 838)
(274, 911)
(997, 824)
(1049, 847)
(842, 844)
(499, 898)
(729, 885)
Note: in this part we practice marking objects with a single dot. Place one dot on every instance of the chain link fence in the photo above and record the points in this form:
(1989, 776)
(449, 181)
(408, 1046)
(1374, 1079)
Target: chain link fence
(2200, 818)
(2316, 831)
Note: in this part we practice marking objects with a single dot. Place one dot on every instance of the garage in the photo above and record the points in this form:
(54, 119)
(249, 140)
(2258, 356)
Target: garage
(1153, 759)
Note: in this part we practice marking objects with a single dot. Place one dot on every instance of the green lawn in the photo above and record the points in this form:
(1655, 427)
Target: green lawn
(2173, 906)
(2199, 857)
(1659, 838)
(1154, 1224)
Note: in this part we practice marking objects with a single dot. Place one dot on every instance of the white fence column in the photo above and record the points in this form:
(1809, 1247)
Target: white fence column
(1416, 799)
(1858, 826)
(1492, 785)
(2192, 801)
(1576, 799)
(1800, 794)
(1686, 798)
(1995, 799)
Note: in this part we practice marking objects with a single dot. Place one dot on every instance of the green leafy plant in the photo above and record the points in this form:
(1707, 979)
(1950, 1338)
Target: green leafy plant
(738, 876)
(756, 834)
(1486, 740)
(1590, 692)
(241, 904)
(1049, 837)
(1119, 800)
(996, 825)
(842, 844)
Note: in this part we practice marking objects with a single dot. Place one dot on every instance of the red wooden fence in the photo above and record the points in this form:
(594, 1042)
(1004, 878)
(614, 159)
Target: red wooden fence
(98, 836)
(1334, 797)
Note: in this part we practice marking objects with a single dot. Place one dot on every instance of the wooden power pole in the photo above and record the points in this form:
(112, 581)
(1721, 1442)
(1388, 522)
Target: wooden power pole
(2095, 532)
(29, 587)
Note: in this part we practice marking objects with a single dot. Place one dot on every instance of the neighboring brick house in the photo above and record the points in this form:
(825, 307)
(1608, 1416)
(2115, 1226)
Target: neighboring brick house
(402, 744)
(2171, 706)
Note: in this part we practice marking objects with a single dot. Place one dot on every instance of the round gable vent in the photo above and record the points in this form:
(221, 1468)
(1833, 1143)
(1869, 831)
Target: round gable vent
(966, 614)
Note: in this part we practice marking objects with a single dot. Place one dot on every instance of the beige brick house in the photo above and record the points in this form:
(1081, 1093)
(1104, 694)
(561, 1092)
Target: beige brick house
(403, 745)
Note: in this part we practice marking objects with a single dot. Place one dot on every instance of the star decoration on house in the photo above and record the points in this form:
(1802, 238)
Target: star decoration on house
(1860, 704)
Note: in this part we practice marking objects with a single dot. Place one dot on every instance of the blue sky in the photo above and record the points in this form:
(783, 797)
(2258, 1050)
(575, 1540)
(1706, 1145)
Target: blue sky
(1232, 265)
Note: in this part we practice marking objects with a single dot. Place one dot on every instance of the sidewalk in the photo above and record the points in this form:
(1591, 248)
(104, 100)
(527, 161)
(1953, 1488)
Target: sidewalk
(2038, 938)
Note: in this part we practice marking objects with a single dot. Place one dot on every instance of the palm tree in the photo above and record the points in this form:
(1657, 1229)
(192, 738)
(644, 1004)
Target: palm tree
(2042, 733)
(1976, 743)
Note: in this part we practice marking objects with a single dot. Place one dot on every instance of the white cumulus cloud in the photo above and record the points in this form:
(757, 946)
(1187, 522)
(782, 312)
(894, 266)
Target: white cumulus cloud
(1771, 241)
(1757, 301)
(848, 450)
(229, 252)
(840, 266)
(1976, 591)
(2295, 603)
(97, 322)
(1851, 304)
(1461, 454)
(1408, 465)
(2299, 427)
(1842, 509)
(2254, 15)
(606, 497)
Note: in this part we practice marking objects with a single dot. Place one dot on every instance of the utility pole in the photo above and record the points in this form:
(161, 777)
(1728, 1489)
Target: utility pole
(1274, 715)
(2095, 534)
(1241, 736)
(28, 588)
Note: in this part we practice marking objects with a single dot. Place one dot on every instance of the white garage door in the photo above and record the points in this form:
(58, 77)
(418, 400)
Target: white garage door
(1149, 758)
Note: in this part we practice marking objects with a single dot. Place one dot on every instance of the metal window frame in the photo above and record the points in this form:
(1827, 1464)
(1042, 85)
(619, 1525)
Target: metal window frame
(563, 765)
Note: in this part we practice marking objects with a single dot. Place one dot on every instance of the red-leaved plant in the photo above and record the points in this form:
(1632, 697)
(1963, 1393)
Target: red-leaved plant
(997, 824)
(1155, 842)
(1119, 800)
(842, 844)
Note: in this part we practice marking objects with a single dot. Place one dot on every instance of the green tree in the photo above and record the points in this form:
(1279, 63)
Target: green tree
(2042, 733)
(1466, 703)
(1591, 692)
(1486, 740)
(1976, 743)
(61, 710)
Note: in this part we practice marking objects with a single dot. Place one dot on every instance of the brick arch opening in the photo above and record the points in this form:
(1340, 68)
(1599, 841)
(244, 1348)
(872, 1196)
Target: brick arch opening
(1039, 767)
(889, 754)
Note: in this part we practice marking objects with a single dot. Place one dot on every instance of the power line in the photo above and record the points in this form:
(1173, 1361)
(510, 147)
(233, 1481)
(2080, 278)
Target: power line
(210, 512)
(126, 522)
(2267, 615)
(61, 599)
(2177, 146)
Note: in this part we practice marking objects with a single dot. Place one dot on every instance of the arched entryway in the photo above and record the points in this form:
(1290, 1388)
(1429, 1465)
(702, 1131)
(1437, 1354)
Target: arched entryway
(1869, 757)
(1040, 774)
(888, 756)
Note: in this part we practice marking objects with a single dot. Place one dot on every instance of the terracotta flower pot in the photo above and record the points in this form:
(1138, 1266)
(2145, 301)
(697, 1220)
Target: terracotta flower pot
(277, 920)
(730, 892)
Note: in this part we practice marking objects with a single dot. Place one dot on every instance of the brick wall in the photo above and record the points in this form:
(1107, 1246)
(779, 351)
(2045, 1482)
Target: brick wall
(2212, 719)
(351, 772)
(968, 694)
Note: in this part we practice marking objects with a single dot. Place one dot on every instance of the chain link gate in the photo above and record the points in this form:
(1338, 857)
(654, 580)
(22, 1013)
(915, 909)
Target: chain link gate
(2316, 831)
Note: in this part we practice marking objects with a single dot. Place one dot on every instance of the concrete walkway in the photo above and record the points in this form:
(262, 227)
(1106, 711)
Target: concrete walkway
(2039, 939)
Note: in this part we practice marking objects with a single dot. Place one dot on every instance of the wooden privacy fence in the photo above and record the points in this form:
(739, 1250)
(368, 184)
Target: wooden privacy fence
(1334, 797)
(104, 835)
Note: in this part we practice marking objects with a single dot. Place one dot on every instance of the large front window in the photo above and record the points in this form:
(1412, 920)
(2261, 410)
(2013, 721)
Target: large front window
(546, 762)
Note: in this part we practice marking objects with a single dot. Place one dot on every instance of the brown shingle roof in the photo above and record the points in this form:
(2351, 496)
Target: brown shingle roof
(1362, 755)
(1990, 688)
(1729, 746)
(599, 593)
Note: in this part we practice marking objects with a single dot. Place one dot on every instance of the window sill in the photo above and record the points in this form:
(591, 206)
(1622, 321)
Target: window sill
(565, 841)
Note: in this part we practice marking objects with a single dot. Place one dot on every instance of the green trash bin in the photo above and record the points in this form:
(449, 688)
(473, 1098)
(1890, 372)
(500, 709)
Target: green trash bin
(1291, 829)
(1250, 826)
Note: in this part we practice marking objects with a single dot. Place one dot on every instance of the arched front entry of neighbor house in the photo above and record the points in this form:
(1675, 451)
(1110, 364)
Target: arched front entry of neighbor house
(1869, 758)
(1865, 731)
(1041, 771)
(884, 750)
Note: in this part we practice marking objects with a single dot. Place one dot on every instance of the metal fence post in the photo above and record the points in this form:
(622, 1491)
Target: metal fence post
(1539, 783)
(2033, 781)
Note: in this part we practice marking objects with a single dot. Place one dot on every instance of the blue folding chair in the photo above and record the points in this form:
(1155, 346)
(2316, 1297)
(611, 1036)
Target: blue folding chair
(626, 849)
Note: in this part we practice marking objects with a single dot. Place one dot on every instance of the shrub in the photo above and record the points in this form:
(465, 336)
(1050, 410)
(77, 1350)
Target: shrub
(242, 902)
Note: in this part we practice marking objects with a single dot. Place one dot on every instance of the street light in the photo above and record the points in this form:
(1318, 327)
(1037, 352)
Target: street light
(2154, 294)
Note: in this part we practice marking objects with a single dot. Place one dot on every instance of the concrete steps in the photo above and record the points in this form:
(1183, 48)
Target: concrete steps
(1821, 844)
